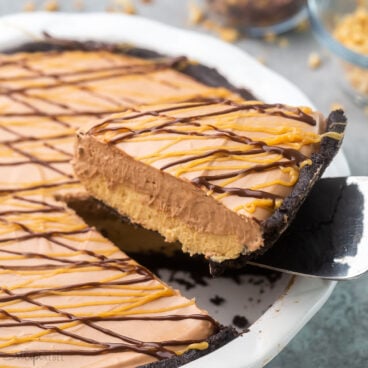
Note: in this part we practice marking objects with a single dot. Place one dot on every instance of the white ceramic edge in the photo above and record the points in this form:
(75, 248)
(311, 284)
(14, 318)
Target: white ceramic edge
(274, 329)
(271, 333)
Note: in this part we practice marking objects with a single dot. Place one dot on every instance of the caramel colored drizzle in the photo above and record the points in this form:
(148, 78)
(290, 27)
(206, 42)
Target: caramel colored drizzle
(39, 119)
(114, 72)
(278, 149)
(127, 275)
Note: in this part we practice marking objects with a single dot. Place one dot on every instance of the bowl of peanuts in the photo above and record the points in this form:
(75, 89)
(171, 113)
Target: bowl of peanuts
(342, 27)
(259, 18)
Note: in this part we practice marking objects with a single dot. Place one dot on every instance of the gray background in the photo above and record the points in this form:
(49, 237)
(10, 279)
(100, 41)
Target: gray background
(338, 335)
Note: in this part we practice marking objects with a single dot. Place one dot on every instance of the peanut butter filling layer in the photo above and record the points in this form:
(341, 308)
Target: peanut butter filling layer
(204, 173)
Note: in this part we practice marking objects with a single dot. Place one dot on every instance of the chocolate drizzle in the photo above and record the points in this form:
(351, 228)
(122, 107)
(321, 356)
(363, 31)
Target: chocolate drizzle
(240, 192)
(262, 108)
(174, 126)
(30, 203)
(123, 265)
(83, 78)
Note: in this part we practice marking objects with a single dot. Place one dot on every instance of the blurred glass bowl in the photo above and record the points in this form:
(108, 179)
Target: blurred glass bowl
(259, 18)
(325, 15)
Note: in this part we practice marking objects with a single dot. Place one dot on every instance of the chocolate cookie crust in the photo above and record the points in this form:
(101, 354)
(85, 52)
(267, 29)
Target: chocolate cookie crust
(283, 216)
(225, 335)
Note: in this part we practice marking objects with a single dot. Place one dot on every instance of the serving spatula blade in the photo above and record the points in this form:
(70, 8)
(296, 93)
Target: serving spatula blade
(329, 237)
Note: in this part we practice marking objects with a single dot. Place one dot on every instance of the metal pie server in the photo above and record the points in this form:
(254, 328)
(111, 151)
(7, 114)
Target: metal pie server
(329, 237)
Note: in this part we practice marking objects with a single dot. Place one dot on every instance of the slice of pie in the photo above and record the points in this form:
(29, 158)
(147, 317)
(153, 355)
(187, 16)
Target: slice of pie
(224, 178)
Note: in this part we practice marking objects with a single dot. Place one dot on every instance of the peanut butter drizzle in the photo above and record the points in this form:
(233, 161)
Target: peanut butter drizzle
(30, 212)
(137, 127)
(125, 268)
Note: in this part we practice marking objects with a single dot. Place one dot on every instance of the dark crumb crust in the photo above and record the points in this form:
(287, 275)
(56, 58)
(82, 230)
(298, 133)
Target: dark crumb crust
(201, 73)
(225, 335)
(274, 226)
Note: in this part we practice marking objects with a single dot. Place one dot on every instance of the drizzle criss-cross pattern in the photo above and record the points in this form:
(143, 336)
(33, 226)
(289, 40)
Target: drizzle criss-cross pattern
(44, 289)
(219, 144)
(64, 289)
(39, 108)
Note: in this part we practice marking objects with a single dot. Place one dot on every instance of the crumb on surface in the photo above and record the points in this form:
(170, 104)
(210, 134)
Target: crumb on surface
(303, 26)
(240, 321)
(51, 5)
(336, 106)
(78, 4)
(124, 6)
(270, 37)
(357, 77)
(209, 24)
(217, 300)
(228, 34)
(262, 59)
(128, 7)
(283, 42)
(146, 1)
(29, 6)
(314, 60)
(196, 14)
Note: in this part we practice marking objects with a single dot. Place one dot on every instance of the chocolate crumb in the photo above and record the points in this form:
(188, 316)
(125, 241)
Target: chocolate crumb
(217, 300)
(258, 282)
(187, 284)
(236, 278)
(240, 321)
(104, 233)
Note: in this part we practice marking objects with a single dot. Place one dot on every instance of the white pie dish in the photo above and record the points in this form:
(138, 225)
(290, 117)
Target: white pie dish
(300, 297)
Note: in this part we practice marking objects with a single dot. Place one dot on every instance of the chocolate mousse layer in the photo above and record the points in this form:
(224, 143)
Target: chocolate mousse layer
(208, 174)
